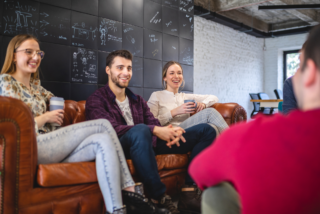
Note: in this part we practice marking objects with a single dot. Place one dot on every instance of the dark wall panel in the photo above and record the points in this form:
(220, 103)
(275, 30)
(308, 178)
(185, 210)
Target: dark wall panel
(170, 48)
(54, 24)
(84, 30)
(55, 65)
(110, 35)
(132, 39)
(82, 91)
(20, 17)
(152, 73)
(186, 51)
(60, 3)
(111, 9)
(137, 72)
(102, 75)
(152, 44)
(86, 6)
(152, 15)
(186, 26)
(133, 12)
(170, 21)
(78, 35)
(59, 89)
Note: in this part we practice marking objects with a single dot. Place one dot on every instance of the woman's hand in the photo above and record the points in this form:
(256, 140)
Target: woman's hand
(200, 106)
(55, 116)
(186, 108)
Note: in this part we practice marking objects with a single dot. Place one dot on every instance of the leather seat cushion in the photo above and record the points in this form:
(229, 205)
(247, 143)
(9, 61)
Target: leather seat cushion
(63, 174)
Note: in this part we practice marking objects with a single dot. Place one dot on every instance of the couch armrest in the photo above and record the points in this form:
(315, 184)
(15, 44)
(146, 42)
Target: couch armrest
(231, 112)
(18, 151)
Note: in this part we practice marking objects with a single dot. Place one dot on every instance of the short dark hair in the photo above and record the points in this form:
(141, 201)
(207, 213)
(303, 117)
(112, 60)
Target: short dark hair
(311, 48)
(122, 53)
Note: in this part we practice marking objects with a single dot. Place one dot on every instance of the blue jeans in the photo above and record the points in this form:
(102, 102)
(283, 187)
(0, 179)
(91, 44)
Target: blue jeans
(88, 141)
(198, 137)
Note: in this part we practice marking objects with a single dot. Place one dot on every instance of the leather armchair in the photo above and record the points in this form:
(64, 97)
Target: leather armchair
(27, 187)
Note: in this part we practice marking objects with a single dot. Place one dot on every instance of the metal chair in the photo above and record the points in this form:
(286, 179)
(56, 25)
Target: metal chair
(256, 105)
(264, 96)
(278, 94)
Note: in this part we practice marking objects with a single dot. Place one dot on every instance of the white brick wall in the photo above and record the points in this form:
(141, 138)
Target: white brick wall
(227, 63)
(273, 60)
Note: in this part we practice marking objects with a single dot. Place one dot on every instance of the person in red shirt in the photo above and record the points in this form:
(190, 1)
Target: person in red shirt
(272, 164)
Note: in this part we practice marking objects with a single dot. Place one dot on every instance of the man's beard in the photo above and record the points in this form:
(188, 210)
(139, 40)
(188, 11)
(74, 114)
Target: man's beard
(115, 80)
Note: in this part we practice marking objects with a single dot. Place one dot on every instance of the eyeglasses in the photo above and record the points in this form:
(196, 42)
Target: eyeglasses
(31, 52)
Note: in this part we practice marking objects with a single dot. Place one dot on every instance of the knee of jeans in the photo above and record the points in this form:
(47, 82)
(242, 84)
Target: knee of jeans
(141, 134)
(106, 141)
(104, 122)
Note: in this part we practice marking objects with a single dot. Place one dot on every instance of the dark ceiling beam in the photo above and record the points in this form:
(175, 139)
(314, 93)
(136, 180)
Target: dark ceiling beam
(227, 5)
(290, 7)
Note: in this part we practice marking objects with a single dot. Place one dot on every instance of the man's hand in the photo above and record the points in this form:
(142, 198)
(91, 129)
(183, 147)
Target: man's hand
(170, 134)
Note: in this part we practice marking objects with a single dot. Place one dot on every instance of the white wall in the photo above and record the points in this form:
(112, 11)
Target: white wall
(227, 63)
(273, 60)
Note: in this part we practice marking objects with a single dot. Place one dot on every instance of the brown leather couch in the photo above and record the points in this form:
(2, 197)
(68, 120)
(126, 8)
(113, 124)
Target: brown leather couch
(27, 187)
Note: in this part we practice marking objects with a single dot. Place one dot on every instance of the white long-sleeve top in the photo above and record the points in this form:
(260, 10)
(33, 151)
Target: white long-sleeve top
(162, 102)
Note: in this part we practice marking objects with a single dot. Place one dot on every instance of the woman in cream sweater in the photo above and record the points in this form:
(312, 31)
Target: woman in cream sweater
(169, 108)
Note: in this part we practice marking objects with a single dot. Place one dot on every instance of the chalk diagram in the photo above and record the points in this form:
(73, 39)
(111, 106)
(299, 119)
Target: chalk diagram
(108, 29)
(131, 41)
(81, 32)
(21, 19)
(186, 6)
(187, 55)
(84, 66)
(58, 31)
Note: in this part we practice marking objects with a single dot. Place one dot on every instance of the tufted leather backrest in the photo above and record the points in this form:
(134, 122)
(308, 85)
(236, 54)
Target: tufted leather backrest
(74, 112)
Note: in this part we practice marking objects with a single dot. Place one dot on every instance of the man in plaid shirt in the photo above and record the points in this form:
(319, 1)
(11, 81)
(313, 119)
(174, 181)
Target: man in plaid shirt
(138, 131)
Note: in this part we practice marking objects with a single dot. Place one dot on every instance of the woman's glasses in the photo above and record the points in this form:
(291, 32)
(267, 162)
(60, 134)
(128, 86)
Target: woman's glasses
(31, 52)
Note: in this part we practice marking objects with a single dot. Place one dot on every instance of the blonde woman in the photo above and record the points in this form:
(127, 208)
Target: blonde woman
(87, 141)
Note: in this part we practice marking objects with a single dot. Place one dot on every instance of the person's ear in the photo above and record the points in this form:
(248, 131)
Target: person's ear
(108, 70)
(311, 72)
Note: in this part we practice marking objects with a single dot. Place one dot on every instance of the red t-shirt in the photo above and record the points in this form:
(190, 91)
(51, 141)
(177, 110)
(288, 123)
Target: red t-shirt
(273, 162)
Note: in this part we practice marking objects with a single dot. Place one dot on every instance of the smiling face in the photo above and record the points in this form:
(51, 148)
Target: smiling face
(120, 72)
(174, 77)
(25, 63)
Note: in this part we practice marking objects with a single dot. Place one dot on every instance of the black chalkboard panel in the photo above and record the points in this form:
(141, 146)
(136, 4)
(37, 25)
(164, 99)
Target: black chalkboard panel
(111, 9)
(86, 6)
(60, 3)
(110, 35)
(152, 73)
(102, 75)
(59, 89)
(188, 77)
(55, 65)
(152, 15)
(186, 26)
(147, 92)
(1, 57)
(157, 1)
(133, 12)
(137, 72)
(170, 21)
(1, 11)
(152, 44)
(20, 17)
(84, 30)
(132, 39)
(170, 48)
(84, 65)
(171, 3)
(186, 6)
(82, 91)
(4, 45)
(54, 24)
(186, 51)
(138, 91)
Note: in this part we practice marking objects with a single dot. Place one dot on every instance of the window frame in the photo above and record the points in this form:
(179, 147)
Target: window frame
(285, 53)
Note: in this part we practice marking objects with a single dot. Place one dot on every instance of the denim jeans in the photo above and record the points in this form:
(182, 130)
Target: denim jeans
(137, 145)
(88, 141)
(197, 137)
(210, 116)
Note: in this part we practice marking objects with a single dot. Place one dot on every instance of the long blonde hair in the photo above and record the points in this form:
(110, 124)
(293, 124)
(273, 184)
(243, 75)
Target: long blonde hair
(9, 67)
(165, 70)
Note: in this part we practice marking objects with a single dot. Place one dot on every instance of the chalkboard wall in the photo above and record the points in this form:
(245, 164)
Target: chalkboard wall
(77, 36)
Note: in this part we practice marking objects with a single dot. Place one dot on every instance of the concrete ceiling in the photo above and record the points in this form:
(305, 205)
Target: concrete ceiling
(247, 13)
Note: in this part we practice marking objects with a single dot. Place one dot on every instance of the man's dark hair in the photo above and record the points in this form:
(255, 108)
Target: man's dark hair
(122, 53)
(312, 48)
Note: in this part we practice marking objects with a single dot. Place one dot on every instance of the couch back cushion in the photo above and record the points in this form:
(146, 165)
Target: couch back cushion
(74, 112)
